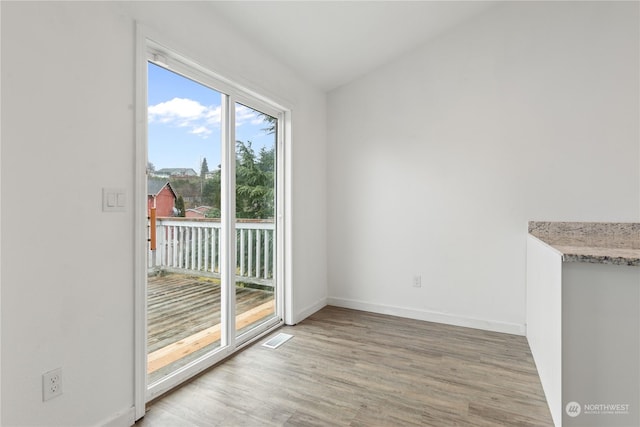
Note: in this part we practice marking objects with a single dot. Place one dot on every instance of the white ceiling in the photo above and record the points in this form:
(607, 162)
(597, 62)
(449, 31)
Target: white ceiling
(330, 43)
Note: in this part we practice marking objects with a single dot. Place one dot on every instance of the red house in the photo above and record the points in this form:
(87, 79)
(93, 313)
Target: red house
(161, 196)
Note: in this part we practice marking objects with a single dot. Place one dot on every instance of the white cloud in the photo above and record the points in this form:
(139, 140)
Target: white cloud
(213, 115)
(199, 119)
(176, 109)
(202, 131)
(248, 115)
(244, 114)
(187, 113)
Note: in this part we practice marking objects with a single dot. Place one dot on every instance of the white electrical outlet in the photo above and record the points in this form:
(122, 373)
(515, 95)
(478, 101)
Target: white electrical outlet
(417, 281)
(51, 384)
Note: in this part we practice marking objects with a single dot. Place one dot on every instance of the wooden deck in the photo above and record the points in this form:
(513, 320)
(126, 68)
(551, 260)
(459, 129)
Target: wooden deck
(183, 316)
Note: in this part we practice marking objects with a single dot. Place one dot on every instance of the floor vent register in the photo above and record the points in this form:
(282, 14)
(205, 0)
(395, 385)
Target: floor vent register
(277, 340)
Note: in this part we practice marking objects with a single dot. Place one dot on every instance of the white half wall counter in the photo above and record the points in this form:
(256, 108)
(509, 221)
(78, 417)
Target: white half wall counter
(583, 320)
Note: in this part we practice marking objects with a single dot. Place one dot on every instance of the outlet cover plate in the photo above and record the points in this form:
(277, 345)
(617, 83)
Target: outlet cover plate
(51, 384)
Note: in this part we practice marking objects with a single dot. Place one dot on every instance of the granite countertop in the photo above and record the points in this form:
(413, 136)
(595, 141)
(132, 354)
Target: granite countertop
(595, 242)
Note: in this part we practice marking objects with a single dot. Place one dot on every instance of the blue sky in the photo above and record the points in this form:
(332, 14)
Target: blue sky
(184, 122)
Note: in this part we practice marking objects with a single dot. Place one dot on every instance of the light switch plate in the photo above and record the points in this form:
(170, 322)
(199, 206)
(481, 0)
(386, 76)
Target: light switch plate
(114, 199)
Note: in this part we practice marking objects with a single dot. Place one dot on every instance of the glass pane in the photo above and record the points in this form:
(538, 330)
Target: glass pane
(256, 136)
(184, 290)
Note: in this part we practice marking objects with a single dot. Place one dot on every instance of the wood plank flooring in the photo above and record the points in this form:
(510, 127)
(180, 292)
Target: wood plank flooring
(352, 368)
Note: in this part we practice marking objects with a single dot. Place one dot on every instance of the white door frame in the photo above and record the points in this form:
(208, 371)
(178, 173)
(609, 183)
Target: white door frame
(145, 41)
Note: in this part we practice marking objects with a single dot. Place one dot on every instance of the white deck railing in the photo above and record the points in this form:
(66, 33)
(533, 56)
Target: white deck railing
(193, 245)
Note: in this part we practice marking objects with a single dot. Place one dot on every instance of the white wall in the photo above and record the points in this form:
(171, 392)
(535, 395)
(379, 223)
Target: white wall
(438, 160)
(68, 130)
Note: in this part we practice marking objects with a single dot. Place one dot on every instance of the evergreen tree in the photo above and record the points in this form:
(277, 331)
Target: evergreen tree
(204, 168)
(255, 182)
(211, 191)
(180, 206)
(271, 123)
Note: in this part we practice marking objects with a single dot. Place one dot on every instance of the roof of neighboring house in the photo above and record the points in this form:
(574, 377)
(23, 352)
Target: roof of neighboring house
(202, 209)
(177, 171)
(155, 186)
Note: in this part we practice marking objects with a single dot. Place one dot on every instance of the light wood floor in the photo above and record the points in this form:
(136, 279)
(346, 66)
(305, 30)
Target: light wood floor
(351, 368)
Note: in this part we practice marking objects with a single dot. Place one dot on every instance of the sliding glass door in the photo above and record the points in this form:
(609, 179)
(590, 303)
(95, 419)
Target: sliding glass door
(255, 230)
(212, 200)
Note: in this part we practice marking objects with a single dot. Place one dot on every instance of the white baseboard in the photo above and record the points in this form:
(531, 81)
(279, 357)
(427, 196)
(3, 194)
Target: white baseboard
(430, 316)
(126, 418)
(308, 311)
